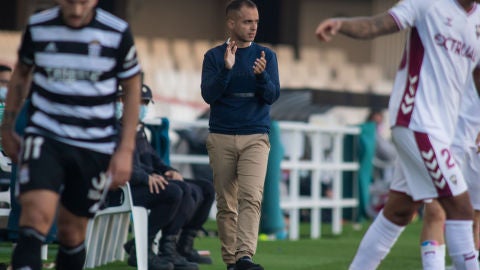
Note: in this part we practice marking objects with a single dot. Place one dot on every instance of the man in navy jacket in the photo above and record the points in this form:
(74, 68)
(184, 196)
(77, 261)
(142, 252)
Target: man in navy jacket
(240, 82)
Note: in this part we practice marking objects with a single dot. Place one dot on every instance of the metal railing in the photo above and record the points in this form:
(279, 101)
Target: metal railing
(317, 165)
(321, 138)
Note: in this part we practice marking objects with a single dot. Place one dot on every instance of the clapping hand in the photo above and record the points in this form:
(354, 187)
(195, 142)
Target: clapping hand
(229, 56)
(260, 64)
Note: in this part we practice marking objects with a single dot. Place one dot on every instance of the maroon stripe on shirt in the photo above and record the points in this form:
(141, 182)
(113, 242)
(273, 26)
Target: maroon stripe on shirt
(415, 61)
(431, 164)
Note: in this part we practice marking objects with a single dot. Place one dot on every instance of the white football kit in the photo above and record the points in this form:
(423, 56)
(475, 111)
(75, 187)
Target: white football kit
(442, 49)
(464, 148)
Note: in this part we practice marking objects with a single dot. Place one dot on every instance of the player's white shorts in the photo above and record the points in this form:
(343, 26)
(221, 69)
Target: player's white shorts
(469, 162)
(425, 167)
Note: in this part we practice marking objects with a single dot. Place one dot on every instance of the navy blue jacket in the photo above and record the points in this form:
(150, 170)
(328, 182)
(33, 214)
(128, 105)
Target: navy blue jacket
(145, 160)
(239, 100)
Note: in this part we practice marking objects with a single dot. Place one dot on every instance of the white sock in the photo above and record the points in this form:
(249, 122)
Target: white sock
(376, 243)
(459, 236)
(433, 255)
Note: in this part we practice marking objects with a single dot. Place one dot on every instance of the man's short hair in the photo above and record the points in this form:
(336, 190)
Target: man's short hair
(236, 5)
(5, 68)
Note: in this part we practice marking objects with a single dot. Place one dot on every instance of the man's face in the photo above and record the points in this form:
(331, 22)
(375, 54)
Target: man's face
(243, 24)
(77, 13)
(5, 77)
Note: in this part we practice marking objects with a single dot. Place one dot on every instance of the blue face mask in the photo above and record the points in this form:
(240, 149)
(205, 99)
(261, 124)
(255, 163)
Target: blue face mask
(118, 110)
(142, 113)
(3, 93)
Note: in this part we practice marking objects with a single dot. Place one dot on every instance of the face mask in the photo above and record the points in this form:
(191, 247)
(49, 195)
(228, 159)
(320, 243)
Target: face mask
(3, 93)
(118, 110)
(142, 113)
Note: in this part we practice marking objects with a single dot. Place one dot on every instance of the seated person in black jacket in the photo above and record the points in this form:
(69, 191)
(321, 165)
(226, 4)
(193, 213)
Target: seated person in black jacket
(153, 184)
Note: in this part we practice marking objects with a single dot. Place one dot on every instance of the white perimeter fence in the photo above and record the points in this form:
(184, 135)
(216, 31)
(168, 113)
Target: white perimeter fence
(321, 140)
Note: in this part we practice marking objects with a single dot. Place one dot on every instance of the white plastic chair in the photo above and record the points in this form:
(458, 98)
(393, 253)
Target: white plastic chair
(108, 230)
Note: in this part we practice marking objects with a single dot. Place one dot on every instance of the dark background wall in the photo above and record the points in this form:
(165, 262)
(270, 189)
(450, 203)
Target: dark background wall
(290, 22)
(269, 21)
(8, 15)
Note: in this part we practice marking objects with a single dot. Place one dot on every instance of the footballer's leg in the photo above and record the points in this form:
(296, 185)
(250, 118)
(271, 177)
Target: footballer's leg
(432, 241)
(71, 236)
(38, 213)
(384, 231)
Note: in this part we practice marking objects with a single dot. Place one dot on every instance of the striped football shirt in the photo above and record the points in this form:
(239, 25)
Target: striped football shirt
(75, 77)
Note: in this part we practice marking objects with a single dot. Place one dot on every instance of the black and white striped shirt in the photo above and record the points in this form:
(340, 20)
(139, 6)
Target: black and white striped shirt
(76, 72)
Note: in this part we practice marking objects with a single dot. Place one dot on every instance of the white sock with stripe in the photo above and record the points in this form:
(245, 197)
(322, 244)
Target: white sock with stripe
(459, 237)
(376, 243)
(433, 255)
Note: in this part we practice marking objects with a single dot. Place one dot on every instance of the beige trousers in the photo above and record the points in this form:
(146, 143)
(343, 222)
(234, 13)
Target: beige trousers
(239, 164)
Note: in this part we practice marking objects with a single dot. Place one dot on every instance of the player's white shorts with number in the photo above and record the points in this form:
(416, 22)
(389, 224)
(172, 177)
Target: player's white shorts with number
(469, 162)
(425, 167)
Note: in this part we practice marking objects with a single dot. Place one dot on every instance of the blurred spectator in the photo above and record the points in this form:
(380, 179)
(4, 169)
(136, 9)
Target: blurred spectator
(384, 148)
(385, 155)
(5, 75)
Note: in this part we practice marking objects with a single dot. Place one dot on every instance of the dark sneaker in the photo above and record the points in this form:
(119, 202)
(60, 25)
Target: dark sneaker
(195, 257)
(178, 262)
(154, 262)
(185, 248)
(128, 245)
(231, 266)
(168, 252)
(246, 263)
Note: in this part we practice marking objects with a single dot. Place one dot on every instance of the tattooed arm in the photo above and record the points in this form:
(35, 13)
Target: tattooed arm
(17, 91)
(358, 27)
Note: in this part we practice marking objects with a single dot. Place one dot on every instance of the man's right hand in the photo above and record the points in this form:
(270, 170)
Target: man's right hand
(11, 144)
(229, 56)
(120, 167)
(156, 183)
(327, 29)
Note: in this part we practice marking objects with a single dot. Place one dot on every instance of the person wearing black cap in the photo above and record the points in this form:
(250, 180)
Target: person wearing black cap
(176, 204)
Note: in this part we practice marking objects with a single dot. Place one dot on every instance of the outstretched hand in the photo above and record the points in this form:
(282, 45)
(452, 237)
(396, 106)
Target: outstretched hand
(260, 64)
(229, 56)
(327, 29)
